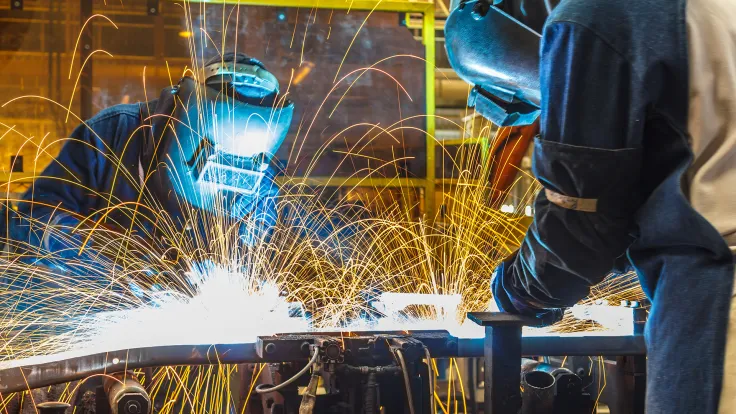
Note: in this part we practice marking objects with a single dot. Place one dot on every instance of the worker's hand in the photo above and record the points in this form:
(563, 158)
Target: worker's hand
(65, 240)
(502, 276)
(263, 214)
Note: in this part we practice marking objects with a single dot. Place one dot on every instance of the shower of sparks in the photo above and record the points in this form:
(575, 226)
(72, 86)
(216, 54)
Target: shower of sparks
(338, 267)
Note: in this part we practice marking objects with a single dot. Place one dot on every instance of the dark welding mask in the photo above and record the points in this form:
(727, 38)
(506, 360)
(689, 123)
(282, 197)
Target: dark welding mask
(494, 46)
(227, 124)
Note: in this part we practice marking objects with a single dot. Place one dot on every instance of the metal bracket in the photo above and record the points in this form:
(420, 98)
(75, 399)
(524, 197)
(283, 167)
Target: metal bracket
(502, 355)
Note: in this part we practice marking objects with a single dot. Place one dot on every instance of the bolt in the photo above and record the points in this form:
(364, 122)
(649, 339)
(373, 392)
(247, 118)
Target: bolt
(270, 348)
(132, 407)
(152, 10)
(17, 4)
(86, 47)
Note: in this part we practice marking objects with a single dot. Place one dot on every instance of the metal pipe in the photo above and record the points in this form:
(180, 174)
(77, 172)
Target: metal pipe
(537, 392)
(126, 395)
(52, 407)
(22, 375)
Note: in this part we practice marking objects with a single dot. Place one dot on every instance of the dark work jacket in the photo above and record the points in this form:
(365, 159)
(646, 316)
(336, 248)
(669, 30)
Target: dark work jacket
(97, 168)
(614, 79)
(98, 174)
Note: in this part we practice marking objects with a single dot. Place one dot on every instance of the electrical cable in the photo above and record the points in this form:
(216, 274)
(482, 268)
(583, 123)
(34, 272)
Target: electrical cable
(407, 383)
(266, 388)
(432, 402)
(548, 6)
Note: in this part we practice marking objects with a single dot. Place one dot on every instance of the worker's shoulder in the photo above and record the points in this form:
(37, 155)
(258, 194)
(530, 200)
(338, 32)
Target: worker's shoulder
(134, 111)
(623, 25)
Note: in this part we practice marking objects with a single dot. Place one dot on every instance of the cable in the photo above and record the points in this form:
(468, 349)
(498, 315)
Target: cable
(406, 381)
(432, 402)
(548, 6)
(266, 388)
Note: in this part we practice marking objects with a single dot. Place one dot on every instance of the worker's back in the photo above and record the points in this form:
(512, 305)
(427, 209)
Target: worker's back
(711, 26)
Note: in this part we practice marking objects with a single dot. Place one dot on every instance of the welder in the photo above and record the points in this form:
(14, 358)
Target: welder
(636, 104)
(204, 147)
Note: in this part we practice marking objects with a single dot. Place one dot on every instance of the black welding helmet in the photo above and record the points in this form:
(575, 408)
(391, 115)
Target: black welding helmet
(229, 119)
(494, 46)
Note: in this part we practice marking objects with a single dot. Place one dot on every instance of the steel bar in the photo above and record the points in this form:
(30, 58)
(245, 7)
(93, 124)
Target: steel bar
(565, 345)
(34, 375)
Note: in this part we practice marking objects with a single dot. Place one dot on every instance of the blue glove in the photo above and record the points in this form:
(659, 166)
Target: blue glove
(63, 240)
(506, 300)
(264, 214)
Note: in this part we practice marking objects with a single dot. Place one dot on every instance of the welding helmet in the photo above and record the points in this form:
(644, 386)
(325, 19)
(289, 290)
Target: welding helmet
(228, 121)
(494, 46)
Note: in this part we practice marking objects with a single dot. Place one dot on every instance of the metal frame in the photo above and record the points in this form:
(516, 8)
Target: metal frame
(425, 8)
(22, 376)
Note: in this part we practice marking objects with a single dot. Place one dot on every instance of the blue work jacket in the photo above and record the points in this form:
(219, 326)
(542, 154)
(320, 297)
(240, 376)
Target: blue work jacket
(612, 156)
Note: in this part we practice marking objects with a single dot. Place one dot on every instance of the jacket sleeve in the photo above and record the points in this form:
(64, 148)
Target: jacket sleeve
(61, 195)
(588, 161)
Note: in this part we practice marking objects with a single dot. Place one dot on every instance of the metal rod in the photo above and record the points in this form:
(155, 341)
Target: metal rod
(502, 352)
(22, 375)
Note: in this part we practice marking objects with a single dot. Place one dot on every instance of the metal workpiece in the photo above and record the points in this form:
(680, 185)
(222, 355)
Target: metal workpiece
(23, 375)
(29, 374)
(502, 353)
(593, 345)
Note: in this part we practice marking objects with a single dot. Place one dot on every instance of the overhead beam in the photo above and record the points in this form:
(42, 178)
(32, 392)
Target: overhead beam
(420, 6)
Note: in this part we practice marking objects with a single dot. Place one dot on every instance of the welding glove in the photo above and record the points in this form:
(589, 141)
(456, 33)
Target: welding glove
(64, 239)
(257, 226)
(506, 301)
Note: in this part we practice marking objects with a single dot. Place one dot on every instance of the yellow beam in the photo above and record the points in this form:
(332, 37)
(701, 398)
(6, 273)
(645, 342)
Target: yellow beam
(419, 6)
(430, 66)
(28, 177)
(461, 141)
(17, 178)
(348, 182)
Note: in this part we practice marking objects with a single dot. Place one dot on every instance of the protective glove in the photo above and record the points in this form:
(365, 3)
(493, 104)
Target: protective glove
(64, 239)
(504, 297)
(263, 212)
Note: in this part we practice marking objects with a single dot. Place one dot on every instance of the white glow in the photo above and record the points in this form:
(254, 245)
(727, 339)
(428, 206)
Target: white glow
(227, 310)
(528, 211)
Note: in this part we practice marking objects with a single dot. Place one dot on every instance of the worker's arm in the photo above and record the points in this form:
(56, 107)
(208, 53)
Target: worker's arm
(62, 195)
(583, 216)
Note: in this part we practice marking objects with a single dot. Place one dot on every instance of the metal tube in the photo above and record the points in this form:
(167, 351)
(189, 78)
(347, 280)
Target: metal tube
(52, 407)
(22, 375)
(538, 393)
